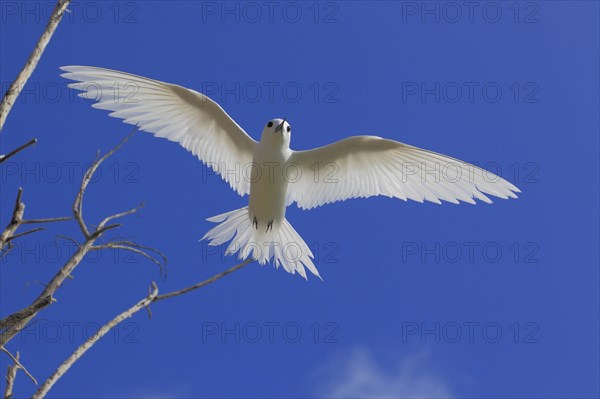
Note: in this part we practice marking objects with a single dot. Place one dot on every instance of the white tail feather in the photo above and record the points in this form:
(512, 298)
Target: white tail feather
(282, 244)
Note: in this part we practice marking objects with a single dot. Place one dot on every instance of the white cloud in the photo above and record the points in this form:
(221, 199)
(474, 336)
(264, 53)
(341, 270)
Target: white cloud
(360, 375)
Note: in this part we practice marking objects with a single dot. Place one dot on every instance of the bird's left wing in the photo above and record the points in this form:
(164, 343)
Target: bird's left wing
(178, 114)
(364, 166)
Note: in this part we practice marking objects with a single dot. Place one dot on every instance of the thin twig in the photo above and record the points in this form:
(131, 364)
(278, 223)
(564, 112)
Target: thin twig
(31, 142)
(78, 203)
(3, 349)
(15, 88)
(205, 282)
(138, 249)
(15, 220)
(138, 246)
(47, 220)
(120, 215)
(25, 233)
(70, 239)
(11, 375)
(10, 231)
(83, 348)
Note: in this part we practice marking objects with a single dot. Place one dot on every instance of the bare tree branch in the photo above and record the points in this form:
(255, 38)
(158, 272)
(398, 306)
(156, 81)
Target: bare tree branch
(16, 360)
(54, 284)
(205, 282)
(26, 312)
(78, 203)
(144, 303)
(70, 239)
(10, 231)
(3, 158)
(88, 245)
(15, 88)
(138, 249)
(120, 215)
(83, 348)
(11, 375)
(15, 220)
(47, 220)
(25, 233)
(11, 325)
(138, 246)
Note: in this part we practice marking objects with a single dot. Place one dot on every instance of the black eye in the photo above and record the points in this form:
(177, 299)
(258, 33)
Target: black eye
(269, 124)
(289, 129)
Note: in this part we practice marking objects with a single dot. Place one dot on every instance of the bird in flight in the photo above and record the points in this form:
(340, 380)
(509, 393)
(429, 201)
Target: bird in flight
(274, 175)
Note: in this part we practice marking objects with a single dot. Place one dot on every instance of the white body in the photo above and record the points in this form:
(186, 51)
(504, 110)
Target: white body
(268, 183)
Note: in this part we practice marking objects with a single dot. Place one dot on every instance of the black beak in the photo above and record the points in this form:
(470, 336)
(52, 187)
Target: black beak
(280, 126)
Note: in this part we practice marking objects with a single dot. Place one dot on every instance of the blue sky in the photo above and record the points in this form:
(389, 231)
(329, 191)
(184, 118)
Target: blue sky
(493, 300)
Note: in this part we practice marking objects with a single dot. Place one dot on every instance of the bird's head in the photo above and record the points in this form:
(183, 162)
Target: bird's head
(277, 131)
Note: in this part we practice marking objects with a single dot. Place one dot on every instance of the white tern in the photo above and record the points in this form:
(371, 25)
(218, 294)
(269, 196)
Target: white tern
(274, 175)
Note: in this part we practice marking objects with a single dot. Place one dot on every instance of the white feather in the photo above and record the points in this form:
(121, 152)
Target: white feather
(364, 166)
(178, 114)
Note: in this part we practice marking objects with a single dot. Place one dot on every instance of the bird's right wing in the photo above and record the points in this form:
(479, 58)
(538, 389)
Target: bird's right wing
(364, 166)
(178, 114)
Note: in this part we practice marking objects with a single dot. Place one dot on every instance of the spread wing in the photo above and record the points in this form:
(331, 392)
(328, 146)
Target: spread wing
(178, 114)
(364, 166)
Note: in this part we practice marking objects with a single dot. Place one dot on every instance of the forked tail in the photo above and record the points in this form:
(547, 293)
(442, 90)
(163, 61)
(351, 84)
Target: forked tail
(282, 243)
